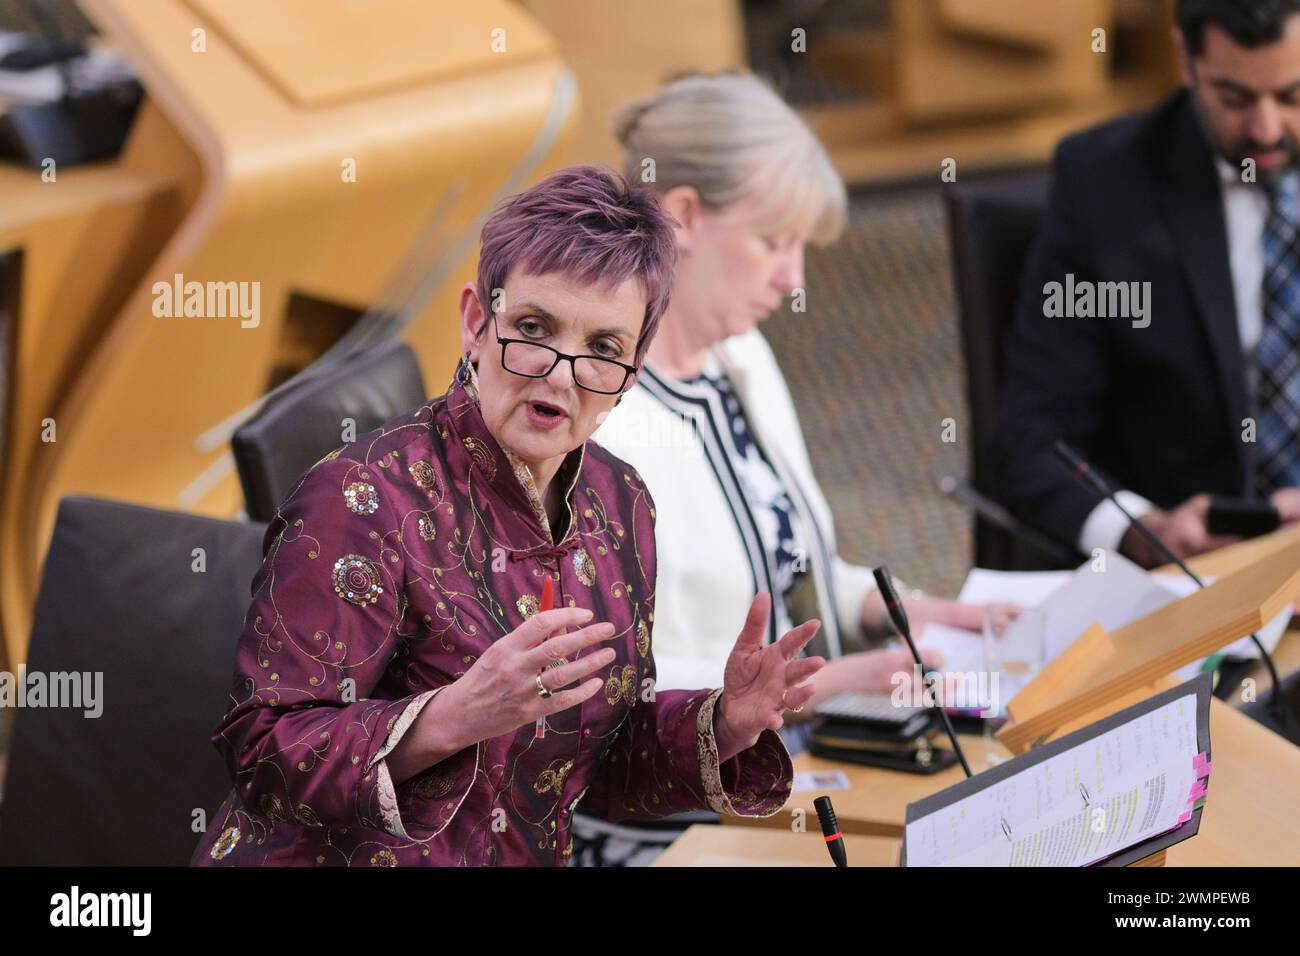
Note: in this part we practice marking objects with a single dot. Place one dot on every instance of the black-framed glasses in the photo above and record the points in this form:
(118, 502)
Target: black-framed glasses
(534, 360)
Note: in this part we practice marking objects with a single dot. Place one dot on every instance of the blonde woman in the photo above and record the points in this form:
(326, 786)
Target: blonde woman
(710, 424)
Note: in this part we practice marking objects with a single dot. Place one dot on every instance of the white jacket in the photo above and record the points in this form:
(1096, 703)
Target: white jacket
(710, 560)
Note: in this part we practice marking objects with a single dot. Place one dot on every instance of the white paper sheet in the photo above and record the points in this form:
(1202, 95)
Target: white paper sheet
(1111, 792)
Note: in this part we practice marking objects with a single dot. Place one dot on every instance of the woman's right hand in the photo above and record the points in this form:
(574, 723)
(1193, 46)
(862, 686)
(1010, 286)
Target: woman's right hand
(499, 694)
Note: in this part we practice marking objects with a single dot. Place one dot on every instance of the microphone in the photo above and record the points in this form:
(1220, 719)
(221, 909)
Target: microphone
(1086, 475)
(896, 614)
(831, 831)
(992, 512)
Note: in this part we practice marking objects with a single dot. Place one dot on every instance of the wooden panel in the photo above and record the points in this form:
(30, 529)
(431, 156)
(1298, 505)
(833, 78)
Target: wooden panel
(270, 208)
(622, 51)
(1092, 645)
(1163, 641)
(944, 73)
(1023, 21)
(321, 52)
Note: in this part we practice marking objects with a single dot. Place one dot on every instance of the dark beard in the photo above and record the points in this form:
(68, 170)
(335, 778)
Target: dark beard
(1236, 153)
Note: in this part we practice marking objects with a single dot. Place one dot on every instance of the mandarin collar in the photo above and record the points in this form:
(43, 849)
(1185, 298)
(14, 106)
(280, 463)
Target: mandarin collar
(509, 477)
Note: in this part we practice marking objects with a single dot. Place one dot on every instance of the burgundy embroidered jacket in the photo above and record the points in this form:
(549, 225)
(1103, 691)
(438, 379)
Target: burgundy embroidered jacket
(393, 564)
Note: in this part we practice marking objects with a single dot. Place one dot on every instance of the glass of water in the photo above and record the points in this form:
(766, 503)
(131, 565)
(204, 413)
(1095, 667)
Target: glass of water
(1014, 652)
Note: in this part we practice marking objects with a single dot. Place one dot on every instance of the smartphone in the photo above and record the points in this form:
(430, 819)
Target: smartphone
(1248, 517)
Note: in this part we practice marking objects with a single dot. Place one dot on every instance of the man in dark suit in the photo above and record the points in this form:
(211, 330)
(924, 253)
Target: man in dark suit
(1158, 330)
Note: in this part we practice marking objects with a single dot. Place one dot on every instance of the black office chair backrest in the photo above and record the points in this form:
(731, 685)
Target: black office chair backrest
(123, 596)
(295, 430)
(992, 223)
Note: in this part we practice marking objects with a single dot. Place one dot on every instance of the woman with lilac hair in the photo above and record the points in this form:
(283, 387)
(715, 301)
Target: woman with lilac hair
(404, 694)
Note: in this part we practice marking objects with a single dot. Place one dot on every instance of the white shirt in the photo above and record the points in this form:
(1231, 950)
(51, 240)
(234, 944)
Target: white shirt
(1245, 213)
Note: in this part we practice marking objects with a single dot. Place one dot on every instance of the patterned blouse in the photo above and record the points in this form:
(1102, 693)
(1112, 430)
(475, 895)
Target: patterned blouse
(766, 496)
(394, 563)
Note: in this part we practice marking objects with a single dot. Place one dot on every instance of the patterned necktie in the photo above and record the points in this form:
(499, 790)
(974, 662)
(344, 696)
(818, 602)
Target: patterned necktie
(1278, 356)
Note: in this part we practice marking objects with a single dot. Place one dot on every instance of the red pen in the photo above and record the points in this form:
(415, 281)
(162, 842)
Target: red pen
(547, 603)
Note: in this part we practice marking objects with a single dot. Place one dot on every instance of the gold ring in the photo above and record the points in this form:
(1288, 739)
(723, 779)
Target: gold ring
(542, 692)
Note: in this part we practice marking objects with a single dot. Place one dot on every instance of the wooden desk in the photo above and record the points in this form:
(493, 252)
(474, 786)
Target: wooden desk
(707, 845)
(875, 803)
(1252, 816)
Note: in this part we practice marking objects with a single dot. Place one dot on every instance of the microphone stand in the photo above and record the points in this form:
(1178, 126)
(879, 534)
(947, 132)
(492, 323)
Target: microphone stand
(899, 618)
(1085, 474)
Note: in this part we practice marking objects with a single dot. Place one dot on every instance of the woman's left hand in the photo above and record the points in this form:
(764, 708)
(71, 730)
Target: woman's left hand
(762, 681)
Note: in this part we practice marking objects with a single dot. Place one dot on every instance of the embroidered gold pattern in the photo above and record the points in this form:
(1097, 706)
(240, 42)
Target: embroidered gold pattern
(384, 857)
(361, 498)
(481, 456)
(271, 808)
(621, 684)
(642, 638)
(428, 531)
(423, 474)
(528, 605)
(710, 769)
(356, 580)
(552, 780)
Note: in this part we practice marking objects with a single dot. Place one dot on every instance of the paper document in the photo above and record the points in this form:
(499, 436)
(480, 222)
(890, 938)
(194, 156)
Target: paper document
(1110, 792)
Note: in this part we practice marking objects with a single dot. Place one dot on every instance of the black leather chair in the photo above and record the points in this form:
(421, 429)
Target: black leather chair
(992, 223)
(119, 596)
(296, 429)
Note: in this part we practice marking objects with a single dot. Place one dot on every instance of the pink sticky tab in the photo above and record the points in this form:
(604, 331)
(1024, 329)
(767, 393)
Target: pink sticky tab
(1201, 764)
(1184, 817)
(1198, 791)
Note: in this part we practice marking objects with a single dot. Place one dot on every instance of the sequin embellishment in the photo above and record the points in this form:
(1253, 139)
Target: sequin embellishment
(361, 497)
(356, 580)
(584, 567)
(225, 844)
